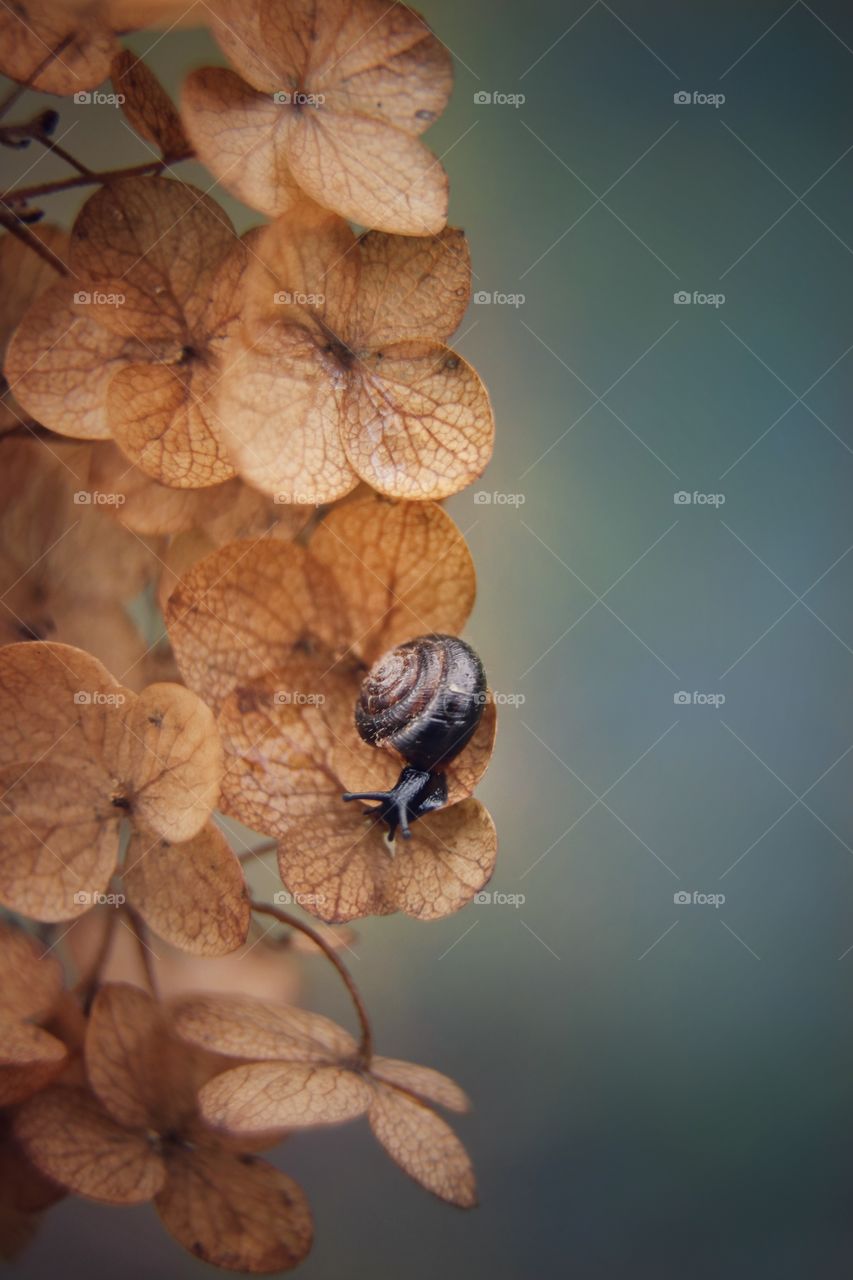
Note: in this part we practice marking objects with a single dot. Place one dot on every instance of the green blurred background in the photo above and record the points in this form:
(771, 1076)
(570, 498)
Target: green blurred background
(661, 1089)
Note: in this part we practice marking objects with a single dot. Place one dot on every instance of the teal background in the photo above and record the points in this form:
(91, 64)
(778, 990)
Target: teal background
(660, 1090)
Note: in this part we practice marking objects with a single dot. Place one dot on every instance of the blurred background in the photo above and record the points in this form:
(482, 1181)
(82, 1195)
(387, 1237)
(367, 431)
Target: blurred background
(657, 1035)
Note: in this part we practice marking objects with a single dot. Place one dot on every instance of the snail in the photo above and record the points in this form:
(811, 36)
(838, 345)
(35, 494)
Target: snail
(425, 699)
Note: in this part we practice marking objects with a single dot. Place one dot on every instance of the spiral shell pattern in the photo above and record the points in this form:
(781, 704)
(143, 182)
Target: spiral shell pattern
(424, 698)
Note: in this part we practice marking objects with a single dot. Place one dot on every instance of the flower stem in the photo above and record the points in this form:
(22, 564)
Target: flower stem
(88, 985)
(20, 194)
(137, 925)
(365, 1048)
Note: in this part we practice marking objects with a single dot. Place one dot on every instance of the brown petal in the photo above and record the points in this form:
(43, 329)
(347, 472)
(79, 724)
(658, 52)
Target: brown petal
(411, 287)
(235, 1211)
(170, 761)
(161, 417)
(234, 132)
(29, 1059)
(239, 612)
(53, 702)
(368, 171)
(465, 772)
(428, 1084)
(281, 1095)
(193, 894)
(33, 29)
(403, 568)
(59, 364)
(418, 422)
(449, 858)
(338, 863)
(167, 239)
(71, 1139)
(242, 1027)
(147, 106)
(59, 837)
(278, 409)
(30, 978)
(24, 274)
(423, 1146)
(125, 1040)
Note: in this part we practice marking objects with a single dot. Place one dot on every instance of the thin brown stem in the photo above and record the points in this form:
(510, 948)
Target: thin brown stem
(23, 233)
(365, 1048)
(21, 194)
(83, 170)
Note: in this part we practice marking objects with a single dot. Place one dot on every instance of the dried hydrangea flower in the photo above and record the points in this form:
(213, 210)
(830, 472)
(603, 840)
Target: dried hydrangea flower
(135, 1135)
(278, 638)
(305, 1070)
(24, 274)
(331, 98)
(342, 371)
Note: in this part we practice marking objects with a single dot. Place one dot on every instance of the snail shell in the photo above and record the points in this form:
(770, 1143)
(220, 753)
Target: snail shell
(424, 698)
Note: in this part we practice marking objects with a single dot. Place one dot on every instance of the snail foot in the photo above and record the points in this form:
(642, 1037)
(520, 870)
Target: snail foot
(416, 792)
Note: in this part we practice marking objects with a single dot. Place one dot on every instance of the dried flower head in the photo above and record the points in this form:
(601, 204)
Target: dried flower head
(331, 98)
(342, 372)
(304, 1070)
(278, 638)
(135, 1135)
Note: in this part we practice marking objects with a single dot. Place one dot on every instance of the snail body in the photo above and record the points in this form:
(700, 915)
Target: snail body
(424, 699)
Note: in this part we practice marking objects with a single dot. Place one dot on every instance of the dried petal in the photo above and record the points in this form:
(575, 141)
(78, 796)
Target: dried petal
(30, 979)
(124, 1054)
(71, 1139)
(423, 1146)
(192, 894)
(81, 42)
(235, 1211)
(450, 857)
(429, 1085)
(242, 1027)
(403, 570)
(147, 106)
(241, 610)
(264, 1096)
(418, 422)
(29, 1059)
(411, 288)
(170, 761)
